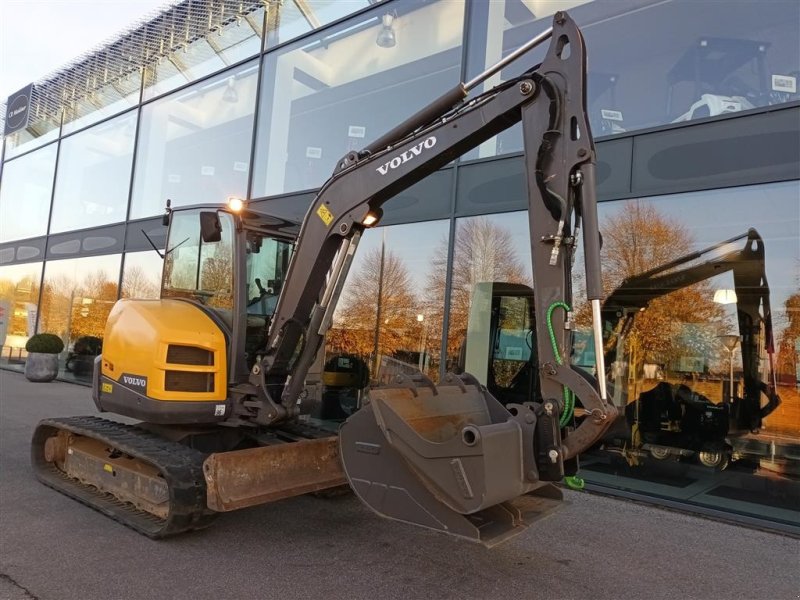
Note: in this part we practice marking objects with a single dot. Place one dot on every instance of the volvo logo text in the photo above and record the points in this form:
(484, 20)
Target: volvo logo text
(407, 155)
(135, 381)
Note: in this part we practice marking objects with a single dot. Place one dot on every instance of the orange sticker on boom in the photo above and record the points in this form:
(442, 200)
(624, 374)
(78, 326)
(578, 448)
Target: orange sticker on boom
(325, 215)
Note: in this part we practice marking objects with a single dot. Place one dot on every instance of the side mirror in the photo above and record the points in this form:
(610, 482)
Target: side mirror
(210, 227)
(167, 213)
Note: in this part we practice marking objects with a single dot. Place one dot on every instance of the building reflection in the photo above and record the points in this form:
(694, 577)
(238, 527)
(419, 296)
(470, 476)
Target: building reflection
(77, 297)
(389, 318)
(19, 297)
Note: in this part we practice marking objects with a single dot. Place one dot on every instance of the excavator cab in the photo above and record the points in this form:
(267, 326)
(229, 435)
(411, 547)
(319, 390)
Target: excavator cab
(223, 271)
(499, 348)
(211, 254)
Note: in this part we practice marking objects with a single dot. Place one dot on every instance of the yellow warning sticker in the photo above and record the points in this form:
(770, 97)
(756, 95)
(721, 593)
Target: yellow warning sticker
(107, 388)
(107, 467)
(325, 215)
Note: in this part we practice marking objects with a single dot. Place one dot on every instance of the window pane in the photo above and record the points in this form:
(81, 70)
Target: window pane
(233, 39)
(194, 146)
(653, 62)
(19, 298)
(25, 194)
(396, 283)
(697, 422)
(336, 92)
(690, 404)
(102, 101)
(141, 275)
(296, 17)
(93, 177)
(265, 272)
(77, 297)
(198, 270)
(489, 248)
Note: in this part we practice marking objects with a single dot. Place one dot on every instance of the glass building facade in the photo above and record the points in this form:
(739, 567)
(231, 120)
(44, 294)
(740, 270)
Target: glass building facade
(696, 114)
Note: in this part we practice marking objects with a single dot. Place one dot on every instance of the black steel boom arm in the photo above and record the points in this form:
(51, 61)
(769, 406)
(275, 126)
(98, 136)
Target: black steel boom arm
(550, 101)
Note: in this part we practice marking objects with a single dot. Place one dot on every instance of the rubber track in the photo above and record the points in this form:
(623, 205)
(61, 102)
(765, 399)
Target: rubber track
(181, 466)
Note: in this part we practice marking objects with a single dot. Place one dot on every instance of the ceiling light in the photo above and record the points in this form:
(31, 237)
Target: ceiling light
(230, 94)
(386, 36)
(725, 297)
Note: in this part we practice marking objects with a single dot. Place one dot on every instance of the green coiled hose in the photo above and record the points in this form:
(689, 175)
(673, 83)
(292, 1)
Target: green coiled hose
(569, 397)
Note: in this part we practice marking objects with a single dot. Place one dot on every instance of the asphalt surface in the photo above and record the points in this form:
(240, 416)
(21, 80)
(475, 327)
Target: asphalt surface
(596, 547)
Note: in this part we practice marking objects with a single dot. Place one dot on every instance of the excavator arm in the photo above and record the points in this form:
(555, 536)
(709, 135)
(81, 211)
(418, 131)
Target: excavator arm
(450, 456)
(550, 101)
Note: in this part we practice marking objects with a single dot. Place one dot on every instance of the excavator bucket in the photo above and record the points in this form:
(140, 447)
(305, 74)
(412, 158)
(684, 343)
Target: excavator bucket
(447, 457)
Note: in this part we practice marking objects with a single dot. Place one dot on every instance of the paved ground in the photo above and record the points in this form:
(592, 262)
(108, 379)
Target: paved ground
(54, 548)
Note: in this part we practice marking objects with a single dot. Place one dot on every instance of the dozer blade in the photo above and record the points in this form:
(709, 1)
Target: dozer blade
(254, 476)
(448, 458)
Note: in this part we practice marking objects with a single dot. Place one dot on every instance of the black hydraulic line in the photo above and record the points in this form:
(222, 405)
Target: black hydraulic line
(591, 242)
(435, 109)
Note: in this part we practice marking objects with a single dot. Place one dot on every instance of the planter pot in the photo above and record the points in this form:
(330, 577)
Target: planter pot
(41, 367)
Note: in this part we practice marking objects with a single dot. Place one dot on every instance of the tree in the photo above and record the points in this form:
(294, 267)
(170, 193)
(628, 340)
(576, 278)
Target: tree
(92, 302)
(138, 283)
(639, 238)
(357, 318)
(788, 358)
(56, 305)
(73, 309)
(483, 251)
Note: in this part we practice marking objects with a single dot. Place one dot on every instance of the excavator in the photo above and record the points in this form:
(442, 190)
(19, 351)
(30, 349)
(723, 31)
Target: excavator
(673, 420)
(217, 369)
(667, 421)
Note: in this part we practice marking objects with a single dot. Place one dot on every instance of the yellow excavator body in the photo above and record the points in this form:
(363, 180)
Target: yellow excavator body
(164, 350)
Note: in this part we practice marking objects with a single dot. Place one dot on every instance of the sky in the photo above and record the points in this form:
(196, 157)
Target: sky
(39, 36)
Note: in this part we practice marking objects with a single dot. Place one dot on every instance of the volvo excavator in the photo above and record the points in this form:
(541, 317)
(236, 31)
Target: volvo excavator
(216, 369)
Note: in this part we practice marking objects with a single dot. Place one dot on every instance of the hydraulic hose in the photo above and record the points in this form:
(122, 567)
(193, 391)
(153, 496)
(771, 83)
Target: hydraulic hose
(569, 397)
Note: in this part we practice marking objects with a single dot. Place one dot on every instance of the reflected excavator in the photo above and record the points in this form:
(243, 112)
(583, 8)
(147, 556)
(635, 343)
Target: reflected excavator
(668, 420)
(674, 420)
(217, 369)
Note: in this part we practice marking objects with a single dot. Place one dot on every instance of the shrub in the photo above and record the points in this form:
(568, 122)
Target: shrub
(46, 343)
(88, 345)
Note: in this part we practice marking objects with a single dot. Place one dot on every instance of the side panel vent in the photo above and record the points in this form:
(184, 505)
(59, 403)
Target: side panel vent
(189, 355)
(186, 381)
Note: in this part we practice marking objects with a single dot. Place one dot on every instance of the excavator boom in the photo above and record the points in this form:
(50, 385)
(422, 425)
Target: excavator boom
(451, 457)
(550, 102)
(744, 257)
